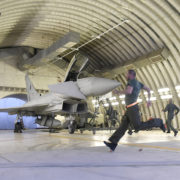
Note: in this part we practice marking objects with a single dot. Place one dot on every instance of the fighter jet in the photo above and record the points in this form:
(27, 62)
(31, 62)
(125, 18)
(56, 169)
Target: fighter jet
(67, 98)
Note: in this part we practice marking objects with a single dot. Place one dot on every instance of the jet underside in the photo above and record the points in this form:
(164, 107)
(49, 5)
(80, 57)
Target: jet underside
(58, 107)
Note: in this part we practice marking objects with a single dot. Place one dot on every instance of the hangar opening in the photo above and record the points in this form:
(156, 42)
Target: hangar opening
(8, 121)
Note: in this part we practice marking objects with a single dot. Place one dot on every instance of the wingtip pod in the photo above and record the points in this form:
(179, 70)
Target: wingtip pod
(93, 86)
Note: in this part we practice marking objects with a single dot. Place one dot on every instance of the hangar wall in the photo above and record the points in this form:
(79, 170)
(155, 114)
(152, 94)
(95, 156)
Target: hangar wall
(12, 80)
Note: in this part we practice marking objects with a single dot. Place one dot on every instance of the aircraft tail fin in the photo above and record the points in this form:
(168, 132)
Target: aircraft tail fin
(31, 91)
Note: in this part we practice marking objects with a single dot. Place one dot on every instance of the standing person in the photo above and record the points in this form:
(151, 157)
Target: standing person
(172, 110)
(132, 114)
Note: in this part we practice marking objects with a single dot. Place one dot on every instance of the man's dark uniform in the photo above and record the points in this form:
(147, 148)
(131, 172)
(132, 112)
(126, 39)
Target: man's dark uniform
(132, 115)
(171, 108)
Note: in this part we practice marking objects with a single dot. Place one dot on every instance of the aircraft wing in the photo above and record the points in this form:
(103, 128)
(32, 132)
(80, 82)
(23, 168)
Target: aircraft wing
(28, 108)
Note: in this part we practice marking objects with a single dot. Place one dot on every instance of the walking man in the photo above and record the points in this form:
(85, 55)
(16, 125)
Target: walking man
(172, 110)
(132, 114)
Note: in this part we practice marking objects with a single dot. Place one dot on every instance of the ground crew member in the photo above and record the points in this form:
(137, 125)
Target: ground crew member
(132, 114)
(172, 110)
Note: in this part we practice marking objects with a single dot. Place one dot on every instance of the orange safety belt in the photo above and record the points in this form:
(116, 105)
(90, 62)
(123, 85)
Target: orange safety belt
(130, 105)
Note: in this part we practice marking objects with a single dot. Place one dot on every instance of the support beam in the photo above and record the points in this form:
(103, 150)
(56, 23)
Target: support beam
(8, 52)
(20, 52)
(145, 60)
(46, 55)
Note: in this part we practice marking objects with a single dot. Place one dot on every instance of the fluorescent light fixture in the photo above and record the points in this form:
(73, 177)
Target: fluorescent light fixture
(103, 98)
(179, 95)
(106, 104)
(122, 96)
(106, 96)
(96, 106)
(94, 101)
(112, 98)
(177, 87)
(115, 103)
(163, 90)
(168, 96)
(147, 93)
(152, 99)
(139, 100)
(123, 102)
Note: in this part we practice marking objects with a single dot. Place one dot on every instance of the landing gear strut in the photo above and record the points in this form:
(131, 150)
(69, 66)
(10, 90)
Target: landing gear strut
(19, 125)
(52, 130)
(72, 124)
(72, 127)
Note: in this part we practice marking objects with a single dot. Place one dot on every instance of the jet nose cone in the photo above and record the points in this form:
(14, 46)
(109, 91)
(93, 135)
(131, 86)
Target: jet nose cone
(94, 86)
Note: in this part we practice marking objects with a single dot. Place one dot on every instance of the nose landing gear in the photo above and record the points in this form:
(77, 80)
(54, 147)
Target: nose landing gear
(72, 124)
(19, 125)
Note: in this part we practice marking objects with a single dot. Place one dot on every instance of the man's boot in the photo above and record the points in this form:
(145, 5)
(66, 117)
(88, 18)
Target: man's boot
(130, 132)
(111, 146)
(175, 133)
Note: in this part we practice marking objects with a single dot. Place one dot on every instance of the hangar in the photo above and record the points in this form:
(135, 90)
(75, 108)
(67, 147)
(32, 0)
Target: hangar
(63, 59)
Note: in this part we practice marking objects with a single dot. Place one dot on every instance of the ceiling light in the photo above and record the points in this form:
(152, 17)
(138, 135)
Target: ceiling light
(112, 98)
(147, 92)
(115, 103)
(168, 96)
(106, 105)
(123, 102)
(152, 99)
(163, 90)
(122, 96)
(139, 100)
(94, 101)
(96, 106)
(177, 87)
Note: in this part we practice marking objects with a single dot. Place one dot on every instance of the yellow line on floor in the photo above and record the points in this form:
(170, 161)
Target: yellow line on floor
(151, 146)
(127, 144)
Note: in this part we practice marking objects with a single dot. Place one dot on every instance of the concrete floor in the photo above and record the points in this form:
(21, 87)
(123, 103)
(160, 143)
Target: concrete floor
(39, 155)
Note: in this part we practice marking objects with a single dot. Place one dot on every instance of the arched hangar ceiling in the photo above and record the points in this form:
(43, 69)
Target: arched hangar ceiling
(151, 25)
